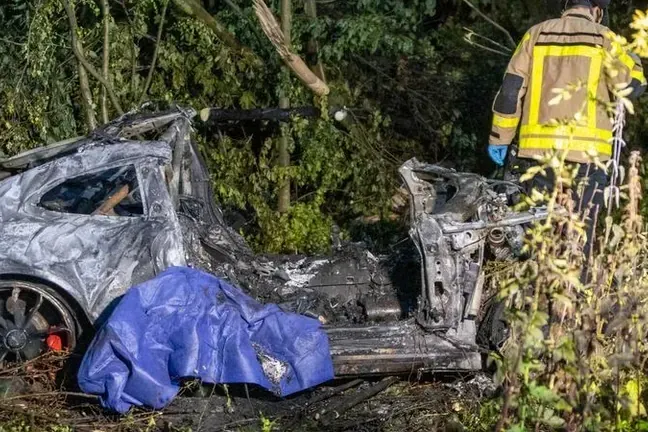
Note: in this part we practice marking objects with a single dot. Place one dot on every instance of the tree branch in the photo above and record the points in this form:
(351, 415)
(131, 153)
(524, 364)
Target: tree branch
(84, 84)
(270, 28)
(284, 102)
(470, 33)
(503, 50)
(490, 20)
(149, 77)
(484, 47)
(9, 41)
(78, 52)
(86, 98)
(295, 63)
(106, 59)
(194, 9)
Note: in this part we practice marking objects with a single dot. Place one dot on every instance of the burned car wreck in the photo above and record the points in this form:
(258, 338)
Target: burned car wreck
(83, 220)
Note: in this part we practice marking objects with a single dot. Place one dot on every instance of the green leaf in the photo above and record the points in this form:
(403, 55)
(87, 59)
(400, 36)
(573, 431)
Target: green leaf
(542, 393)
(247, 100)
(430, 7)
(552, 420)
(517, 428)
(550, 399)
(632, 393)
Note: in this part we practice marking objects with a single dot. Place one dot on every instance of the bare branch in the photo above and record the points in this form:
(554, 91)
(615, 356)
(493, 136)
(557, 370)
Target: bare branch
(9, 41)
(78, 52)
(470, 33)
(484, 47)
(149, 77)
(468, 37)
(295, 63)
(490, 20)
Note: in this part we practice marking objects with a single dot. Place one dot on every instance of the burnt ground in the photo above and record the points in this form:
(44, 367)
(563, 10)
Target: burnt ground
(33, 397)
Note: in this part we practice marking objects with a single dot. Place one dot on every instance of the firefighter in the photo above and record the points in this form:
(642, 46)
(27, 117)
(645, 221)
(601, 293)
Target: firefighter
(556, 54)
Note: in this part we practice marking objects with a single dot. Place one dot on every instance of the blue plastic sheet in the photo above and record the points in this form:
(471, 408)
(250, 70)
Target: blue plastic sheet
(187, 323)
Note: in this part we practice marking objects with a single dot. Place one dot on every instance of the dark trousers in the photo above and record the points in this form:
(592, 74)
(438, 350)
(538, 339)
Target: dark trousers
(587, 194)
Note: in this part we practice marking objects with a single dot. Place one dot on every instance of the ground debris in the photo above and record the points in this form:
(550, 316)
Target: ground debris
(353, 405)
(480, 386)
(352, 400)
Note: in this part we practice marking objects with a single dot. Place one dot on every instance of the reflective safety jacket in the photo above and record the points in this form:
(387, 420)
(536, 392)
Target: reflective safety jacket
(564, 53)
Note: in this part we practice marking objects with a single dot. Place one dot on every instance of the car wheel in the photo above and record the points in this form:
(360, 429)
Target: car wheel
(493, 330)
(34, 319)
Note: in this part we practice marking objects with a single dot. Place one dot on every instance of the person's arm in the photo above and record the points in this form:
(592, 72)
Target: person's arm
(507, 107)
(626, 69)
(638, 79)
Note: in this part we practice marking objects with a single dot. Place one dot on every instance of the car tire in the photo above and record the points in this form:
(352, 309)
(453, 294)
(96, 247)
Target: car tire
(34, 319)
(493, 330)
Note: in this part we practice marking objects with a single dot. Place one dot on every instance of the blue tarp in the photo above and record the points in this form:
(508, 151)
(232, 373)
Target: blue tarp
(187, 323)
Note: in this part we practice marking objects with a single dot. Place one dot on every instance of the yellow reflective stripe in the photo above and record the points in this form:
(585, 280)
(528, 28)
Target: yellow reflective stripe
(638, 75)
(536, 85)
(627, 60)
(596, 63)
(566, 51)
(525, 39)
(578, 132)
(505, 122)
(539, 143)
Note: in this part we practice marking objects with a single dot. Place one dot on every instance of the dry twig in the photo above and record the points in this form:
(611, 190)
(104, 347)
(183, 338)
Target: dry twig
(470, 34)
(491, 21)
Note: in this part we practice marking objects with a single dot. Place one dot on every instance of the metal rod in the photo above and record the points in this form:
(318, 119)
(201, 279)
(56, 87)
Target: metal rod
(516, 219)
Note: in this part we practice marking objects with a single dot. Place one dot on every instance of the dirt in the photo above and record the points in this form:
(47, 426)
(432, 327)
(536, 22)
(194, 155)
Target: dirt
(31, 397)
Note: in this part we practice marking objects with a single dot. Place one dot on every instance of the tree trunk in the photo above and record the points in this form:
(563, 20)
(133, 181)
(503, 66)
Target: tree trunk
(86, 98)
(106, 60)
(284, 103)
(84, 84)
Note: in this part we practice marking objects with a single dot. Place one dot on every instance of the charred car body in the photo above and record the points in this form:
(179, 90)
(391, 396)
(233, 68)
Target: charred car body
(83, 220)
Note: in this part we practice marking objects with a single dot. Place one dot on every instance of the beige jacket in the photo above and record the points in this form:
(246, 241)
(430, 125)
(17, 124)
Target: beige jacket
(558, 54)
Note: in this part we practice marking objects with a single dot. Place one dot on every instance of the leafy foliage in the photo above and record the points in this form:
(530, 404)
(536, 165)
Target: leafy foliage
(410, 81)
(413, 87)
(390, 62)
(574, 359)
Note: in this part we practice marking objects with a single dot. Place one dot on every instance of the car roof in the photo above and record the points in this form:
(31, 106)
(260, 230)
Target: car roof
(113, 133)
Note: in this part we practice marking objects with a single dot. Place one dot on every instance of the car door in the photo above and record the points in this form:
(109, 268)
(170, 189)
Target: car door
(98, 230)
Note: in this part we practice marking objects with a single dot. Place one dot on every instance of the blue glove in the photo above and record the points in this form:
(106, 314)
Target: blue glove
(497, 153)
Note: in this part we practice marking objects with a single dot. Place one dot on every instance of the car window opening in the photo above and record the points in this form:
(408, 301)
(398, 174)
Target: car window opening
(112, 192)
